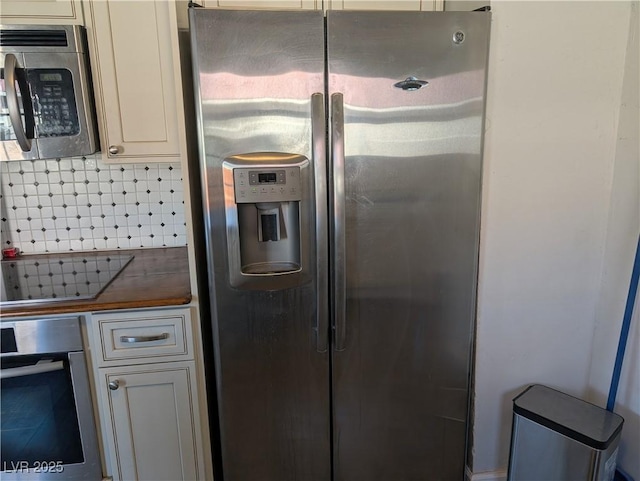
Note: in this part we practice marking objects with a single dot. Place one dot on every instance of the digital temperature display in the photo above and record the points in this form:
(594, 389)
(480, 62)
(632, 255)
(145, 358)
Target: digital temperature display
(267, 178)
(50, 77)
(277, 177)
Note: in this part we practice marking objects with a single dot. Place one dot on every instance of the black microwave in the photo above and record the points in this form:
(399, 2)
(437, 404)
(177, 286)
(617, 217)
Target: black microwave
(46, 105)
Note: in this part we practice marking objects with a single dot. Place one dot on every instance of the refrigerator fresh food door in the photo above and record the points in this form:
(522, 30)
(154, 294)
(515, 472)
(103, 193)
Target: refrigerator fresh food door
(259, 79)
(406, 117)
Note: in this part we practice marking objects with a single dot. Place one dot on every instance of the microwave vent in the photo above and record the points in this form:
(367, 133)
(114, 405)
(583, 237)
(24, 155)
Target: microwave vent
(33, 38)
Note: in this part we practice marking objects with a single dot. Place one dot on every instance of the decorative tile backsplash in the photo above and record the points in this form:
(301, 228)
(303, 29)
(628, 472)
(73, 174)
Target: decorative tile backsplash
(81, 204)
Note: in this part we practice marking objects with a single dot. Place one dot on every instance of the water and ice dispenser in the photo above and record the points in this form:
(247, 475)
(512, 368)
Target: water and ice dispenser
(267, 219)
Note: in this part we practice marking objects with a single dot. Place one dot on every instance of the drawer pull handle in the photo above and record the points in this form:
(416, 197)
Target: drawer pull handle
(132, 339)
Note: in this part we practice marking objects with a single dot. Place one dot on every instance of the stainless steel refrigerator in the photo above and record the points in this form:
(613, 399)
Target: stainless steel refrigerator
(341, 168)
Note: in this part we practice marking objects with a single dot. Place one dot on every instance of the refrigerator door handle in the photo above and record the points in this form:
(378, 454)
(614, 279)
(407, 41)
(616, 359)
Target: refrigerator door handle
(318, 140)
(339, 243)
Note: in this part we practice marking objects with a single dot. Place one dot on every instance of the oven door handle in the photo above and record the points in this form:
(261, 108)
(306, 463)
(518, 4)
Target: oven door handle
(38, 368)
(25, 134)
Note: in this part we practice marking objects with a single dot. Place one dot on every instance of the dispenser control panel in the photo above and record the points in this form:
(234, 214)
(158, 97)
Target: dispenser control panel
(280, 184)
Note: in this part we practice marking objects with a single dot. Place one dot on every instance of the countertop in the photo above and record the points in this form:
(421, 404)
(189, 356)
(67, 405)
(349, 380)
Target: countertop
(155, 277)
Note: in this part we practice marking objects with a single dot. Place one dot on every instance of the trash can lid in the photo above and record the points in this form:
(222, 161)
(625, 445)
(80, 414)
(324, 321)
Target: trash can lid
(568, 415)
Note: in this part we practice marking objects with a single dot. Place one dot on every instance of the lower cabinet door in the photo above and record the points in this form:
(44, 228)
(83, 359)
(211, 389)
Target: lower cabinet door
(154, 422)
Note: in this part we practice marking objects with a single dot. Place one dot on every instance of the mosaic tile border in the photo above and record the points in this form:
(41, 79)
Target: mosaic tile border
(81, 203)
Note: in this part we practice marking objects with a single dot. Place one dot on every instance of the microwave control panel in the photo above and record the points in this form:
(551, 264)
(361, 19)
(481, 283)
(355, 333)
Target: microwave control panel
(54, 102)
(279, 184)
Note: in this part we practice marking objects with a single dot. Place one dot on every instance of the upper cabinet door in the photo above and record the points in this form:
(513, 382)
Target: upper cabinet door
(51, 12)
(136, 72)
(418, 5)
(288, 4)
(182, 6)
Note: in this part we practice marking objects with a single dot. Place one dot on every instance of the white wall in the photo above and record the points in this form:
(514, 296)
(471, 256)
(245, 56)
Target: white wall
(622, 237)
(555, 83)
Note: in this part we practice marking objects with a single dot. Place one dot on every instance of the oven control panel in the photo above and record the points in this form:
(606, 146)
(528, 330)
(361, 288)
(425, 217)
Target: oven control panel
(56, 112)
(278, 184)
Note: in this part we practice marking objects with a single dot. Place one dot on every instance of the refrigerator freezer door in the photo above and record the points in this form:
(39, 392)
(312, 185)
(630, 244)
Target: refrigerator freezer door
(259, 78)
(412, 88)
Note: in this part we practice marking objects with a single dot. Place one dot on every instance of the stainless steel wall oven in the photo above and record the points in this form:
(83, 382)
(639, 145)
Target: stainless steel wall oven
(47, 428)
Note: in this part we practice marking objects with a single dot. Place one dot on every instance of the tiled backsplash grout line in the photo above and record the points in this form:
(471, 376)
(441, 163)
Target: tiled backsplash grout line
(81, 203)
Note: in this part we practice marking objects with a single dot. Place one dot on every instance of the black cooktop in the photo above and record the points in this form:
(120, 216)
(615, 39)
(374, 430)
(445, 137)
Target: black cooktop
(46, 279)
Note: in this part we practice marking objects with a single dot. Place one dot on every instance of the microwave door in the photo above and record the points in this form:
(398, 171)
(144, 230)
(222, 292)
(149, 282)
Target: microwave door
(17, 129)
(61, 103)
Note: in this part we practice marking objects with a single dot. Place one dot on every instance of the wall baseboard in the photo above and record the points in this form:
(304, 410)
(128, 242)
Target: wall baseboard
(499, 475)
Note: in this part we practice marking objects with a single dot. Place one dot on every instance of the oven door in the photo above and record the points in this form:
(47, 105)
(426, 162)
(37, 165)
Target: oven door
(47, 430)
(17, 118)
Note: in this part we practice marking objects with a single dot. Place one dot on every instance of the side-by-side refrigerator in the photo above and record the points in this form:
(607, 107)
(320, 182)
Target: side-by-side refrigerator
(341, 159)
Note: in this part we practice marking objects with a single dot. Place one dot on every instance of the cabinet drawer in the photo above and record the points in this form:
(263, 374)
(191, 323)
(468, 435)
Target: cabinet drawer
(144, 337)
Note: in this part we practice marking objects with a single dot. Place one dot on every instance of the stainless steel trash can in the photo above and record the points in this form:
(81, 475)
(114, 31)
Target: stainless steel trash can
(557, 437)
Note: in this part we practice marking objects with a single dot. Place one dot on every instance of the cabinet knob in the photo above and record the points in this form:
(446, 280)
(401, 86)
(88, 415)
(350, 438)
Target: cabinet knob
(114, 149)
(113, 385)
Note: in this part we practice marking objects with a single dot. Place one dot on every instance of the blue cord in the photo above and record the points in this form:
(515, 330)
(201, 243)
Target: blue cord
(624, 334)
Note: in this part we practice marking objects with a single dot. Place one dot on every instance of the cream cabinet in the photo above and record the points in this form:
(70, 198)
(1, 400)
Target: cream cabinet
(57, 12)
(424, 5)
(150, 395)
(288, 4)
(416, 5)
(137, 80)
(182, 6)
(153, 420)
